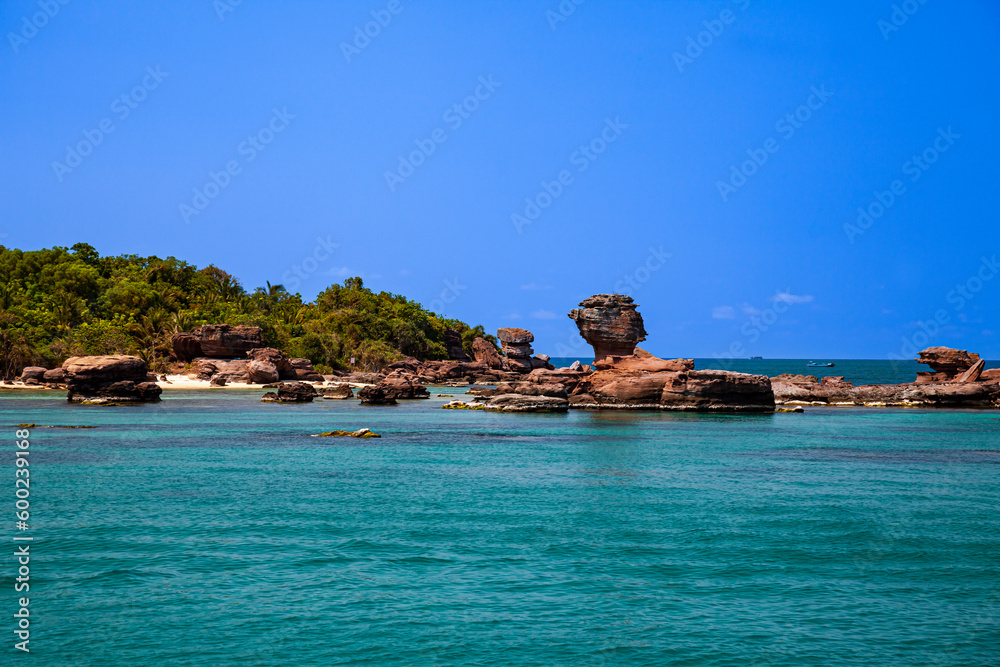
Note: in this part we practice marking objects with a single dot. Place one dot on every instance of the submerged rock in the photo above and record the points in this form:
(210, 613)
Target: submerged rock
(360, 433)
(337, 391)
(525, 403)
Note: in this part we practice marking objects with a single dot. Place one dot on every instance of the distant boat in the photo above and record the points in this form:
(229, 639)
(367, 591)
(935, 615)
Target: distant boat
(813, 364)
(756, 357)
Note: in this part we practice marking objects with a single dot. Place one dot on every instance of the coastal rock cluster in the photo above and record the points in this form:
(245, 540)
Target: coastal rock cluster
(221, 354)
(956, 379)
(115, 378)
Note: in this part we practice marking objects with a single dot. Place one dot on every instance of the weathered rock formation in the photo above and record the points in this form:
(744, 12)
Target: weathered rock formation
(402, 385)
(263, 365)
(114, 378)
(291, 392)
(486, 354)
(453, 343)
(338, 391)
(638, 382)
(947, 364)
(957, 380)
(516, 347)
(221, 341)
(610, 323)
(36, 373)
(375, 395)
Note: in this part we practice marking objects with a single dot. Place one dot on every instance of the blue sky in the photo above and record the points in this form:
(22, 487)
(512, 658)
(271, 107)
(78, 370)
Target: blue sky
(501, 161)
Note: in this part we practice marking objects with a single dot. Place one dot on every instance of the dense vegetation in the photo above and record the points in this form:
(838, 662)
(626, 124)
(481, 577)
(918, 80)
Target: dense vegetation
(59, 302)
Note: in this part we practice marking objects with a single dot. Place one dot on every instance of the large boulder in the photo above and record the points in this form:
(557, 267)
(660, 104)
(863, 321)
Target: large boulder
(230, 370)
(221, 341)
(338, 391)
(116, 378)
(610, 323)
(399, 385)
(54, 376)
(261, 372)
(33, 373)
(453, 343)
(375, 395)
(291, 392)
(526, 403)
(486, 354)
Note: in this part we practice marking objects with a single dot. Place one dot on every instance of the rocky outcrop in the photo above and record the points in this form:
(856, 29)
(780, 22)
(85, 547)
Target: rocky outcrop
(516, 347)
(229, 370)
(221, 341)
(54, 376)
(261, 372)
(338, 391)
(115, 378)
(36, 373)
(957, 380)
(610, 323)
(291, 392)
(401, 385)
(453, 343)
(302, 370)
(946, 363)
(526, 403)
(486, 354)
(649, 383)
(375, 395)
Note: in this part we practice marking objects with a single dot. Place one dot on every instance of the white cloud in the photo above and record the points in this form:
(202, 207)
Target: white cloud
(341, 271)
(749, 310)
(543, 314)
(535, 286)
(514, 316)
(790, 298)
(724, 313)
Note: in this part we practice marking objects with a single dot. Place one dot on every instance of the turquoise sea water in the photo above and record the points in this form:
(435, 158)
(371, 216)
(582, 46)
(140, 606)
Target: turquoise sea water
(210, 529)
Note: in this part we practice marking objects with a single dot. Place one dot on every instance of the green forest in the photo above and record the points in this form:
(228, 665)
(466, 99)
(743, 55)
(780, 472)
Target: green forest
(60, 302)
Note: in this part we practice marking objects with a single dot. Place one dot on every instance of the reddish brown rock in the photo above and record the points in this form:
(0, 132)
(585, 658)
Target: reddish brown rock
(339, 391)
(291, 392)
(186, 346)
(116, 378)
(486, 353)
(33, 373)
(453, 343)
(610, 323)
(261, 372)
(221, 341)
(54, 376)
(644, 361)
(973, 373)
(375, 395)
(399, 385)
(947, 360)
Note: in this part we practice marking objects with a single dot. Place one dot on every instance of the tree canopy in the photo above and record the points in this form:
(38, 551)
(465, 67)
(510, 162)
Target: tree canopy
(59, 302)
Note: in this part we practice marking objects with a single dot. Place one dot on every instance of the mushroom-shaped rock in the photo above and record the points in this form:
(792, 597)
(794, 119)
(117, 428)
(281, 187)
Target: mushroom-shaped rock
(610, 323)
